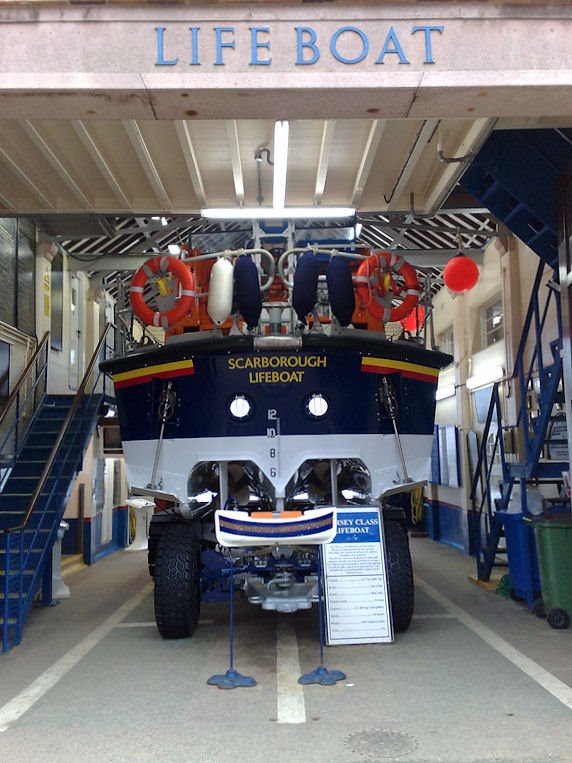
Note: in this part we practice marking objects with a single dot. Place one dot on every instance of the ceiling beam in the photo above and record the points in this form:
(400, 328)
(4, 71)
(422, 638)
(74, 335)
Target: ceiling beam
(328, 131)
(90, 145)
(235, 160)
(144, 156)
(26, 180)
(186, 143)
(367, 158)
(56, 164)
(475, 136)
(419, 146)
(7, 203)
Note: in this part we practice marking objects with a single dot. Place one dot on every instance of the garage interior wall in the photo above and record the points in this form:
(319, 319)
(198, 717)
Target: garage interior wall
(508, 270)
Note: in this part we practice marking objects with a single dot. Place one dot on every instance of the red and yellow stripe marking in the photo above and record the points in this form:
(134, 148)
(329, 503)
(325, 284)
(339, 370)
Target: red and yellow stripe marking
(411, 370)
(163, 370)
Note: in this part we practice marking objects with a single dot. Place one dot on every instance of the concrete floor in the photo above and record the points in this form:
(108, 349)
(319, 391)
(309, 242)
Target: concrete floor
(475, 679)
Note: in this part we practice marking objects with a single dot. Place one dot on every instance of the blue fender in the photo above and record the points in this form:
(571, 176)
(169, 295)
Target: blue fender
(305, 291)
(340, 289)
(247, 291)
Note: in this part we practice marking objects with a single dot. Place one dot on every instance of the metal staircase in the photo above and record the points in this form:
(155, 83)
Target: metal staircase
(42, 441)
(538, 381)
(515, 175)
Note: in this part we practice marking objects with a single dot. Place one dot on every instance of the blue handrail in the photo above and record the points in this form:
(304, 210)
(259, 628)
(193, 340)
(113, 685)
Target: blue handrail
(34, 536)
(486, 526)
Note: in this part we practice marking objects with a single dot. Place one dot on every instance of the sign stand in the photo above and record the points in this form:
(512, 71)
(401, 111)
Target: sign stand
(231, 679)
(321, 675)
(356, 586)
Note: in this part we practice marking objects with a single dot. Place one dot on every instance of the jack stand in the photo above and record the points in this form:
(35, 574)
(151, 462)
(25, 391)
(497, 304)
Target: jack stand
(231, 679)
(321, 675)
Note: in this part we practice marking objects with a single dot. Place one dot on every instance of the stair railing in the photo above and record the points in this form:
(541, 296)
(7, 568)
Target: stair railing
(47, 503)
(23, 404)
(481, 496)
(548, 377)
(486, 526)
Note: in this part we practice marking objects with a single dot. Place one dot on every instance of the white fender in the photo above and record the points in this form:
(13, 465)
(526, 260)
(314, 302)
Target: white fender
(221, 284)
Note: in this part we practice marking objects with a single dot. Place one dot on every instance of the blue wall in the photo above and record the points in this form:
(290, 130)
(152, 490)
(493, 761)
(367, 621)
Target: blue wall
(448, 524)
(92, 549)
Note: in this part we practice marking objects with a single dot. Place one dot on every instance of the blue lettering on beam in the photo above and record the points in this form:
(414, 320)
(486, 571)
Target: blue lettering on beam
(255, 44)
(161, 61)
(397, 49)
(364, 45)
(307, 46)
(427, 30)
(194, 46)
(220, 43)
(309, 43)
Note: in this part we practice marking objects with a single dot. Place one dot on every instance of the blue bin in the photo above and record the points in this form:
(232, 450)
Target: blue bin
(523, 569)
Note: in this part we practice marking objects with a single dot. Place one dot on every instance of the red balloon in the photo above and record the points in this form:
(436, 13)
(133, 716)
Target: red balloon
(414, 320)
(460, 274)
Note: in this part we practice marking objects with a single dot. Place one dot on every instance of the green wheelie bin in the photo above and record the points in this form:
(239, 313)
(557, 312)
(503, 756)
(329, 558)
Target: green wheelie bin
(554, 548)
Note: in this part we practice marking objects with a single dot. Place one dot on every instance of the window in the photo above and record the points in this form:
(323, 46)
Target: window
(447, 341)
(493, 323)
(17, 274)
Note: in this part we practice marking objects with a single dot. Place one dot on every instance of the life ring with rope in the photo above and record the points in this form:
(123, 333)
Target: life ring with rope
(376, 286)
(162, 264)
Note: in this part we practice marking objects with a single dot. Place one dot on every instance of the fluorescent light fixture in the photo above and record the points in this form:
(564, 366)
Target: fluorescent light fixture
(272, 213)
(447, 390)
(281, 132)
(358, 229)
(485, 377)
(174, 248)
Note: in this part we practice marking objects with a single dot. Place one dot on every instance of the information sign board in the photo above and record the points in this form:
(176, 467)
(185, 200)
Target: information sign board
(356, 586)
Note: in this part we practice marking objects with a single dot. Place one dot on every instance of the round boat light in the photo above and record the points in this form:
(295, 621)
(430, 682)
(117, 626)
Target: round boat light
(317, 406)
(240, 408)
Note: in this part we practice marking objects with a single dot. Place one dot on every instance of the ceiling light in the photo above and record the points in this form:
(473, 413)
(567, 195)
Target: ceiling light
(281, 132)
(271, 213)
(485, 377)
(174, 249)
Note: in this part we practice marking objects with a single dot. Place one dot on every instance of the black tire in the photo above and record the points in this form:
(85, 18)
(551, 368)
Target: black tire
(400, 575)
(177, 590)
(538, 608)
(557, 618)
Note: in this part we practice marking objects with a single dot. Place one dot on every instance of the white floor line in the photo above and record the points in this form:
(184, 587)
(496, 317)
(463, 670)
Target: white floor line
(153, 624)
(290, 694)
(27, 698)
(561, 691)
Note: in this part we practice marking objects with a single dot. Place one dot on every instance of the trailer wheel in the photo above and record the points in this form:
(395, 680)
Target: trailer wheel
(400, 575)
(177, 590)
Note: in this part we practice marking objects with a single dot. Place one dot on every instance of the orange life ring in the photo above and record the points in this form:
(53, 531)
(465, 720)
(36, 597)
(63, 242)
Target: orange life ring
(162, 264)
(375, 294)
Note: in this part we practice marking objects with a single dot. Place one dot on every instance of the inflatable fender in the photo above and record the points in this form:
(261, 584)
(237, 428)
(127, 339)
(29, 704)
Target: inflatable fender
(305, 291)
(219, 303)
(247, 296)
(340, 289)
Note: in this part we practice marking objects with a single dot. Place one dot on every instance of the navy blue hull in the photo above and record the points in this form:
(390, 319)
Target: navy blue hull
(204, 380)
